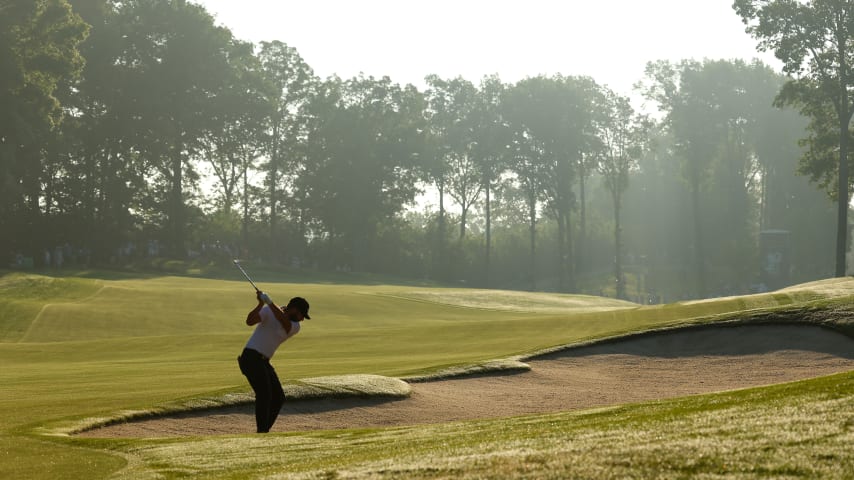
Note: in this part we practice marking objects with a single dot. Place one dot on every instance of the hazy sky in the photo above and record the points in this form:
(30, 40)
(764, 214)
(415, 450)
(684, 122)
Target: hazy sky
(609, 40)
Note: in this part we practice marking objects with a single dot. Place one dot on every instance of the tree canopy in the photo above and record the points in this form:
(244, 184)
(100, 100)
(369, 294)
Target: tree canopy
(813, 40)
(142, 129)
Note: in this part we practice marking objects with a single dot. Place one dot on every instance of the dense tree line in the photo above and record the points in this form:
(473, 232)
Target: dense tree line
(141, 127)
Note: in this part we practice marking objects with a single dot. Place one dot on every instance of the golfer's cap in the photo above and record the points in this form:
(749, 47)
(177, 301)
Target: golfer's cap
(300, 304)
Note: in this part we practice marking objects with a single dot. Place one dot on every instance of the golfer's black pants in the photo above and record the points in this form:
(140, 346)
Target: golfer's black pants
(269, 396)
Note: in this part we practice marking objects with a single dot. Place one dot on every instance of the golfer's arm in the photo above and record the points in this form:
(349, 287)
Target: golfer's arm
(254, 317)
(281, 317)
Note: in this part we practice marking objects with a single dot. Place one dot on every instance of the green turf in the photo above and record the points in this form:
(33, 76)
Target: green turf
(25, 300)
(96, 345)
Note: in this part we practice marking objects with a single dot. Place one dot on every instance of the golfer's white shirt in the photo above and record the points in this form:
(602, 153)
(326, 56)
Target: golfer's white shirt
(269, 333)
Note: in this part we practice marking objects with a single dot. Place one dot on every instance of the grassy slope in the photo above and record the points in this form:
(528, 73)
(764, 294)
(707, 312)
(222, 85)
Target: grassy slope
(101, 346)
(24, 297)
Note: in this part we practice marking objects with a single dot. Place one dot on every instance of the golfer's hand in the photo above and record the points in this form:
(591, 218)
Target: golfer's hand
(264, 298)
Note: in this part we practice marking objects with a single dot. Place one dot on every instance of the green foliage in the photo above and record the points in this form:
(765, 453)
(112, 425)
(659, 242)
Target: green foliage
(293, 84)
(813, 41)
(39, 51)
(454, 119)
(365, 154)
(552, 120)
(324, 173)
(39, 54)
(737, 167)
(820, 160)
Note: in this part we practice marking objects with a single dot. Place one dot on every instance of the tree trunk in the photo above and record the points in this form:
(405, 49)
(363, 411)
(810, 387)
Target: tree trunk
(177, 214)
(31, 187)
(842, 202)
(274, 171)
(463, 214)
(570, 265)
(488, 238)
(31, 181)
(441, 261)
(580, 265)
(245, 227)
(561, 250)
(532, 215)
(618, 249)
(698, 239)
(763, 200)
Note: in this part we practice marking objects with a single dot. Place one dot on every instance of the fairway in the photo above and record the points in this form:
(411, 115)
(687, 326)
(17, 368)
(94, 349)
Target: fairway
(80, 357)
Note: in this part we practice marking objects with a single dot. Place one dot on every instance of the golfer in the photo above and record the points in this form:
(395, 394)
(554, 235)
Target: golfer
(274, 326)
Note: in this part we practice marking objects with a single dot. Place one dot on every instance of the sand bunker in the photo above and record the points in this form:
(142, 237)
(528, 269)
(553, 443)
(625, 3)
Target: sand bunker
(648, 367)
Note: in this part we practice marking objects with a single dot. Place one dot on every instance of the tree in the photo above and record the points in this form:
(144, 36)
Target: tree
(813, 40)
(589, 151)
(238, 137)
(293, 83)
(179, 65)
(550, 116)
(655, 215)
(689, 99)
(788, 200)
(491, 142)
(622, 138)
(101, 173)
(39, 42)
(436, 166)
(365, 151)
(457, 124)
(526, 166)
(731, 143)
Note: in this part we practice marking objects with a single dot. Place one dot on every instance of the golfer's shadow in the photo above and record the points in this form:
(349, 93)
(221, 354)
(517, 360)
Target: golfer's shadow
(292, 407)
(718, 340)
(333, 404)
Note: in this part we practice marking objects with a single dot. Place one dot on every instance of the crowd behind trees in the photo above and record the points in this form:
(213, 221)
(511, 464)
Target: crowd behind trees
(137, 128)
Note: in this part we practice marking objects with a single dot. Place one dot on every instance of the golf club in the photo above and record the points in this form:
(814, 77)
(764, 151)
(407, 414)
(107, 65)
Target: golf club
(237, 263)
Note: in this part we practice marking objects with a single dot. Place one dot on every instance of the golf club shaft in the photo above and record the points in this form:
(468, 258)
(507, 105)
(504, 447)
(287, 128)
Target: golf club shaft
(247, 276)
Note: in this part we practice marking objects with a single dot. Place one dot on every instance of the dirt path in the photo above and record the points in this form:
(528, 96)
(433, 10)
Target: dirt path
(646, 368)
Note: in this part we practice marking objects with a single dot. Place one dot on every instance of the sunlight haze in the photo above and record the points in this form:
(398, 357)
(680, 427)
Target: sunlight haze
(609, 40)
